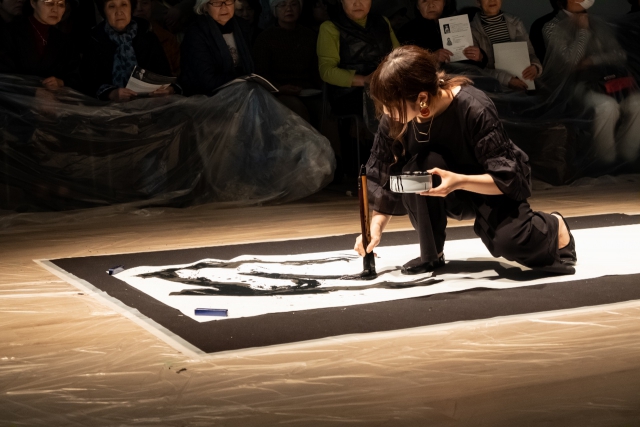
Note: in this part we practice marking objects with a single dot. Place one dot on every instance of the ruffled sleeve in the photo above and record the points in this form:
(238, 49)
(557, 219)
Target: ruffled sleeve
(507, 164)
(381, 198)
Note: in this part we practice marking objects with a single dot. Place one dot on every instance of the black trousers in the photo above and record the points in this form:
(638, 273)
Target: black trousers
(508, 228)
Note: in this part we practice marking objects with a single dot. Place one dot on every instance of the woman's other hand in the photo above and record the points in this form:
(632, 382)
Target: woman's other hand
(162, 92)
(52, 83)
(450, 182)
(516, 83)
(473, 53)
(122, 94)
(290, 90)
(443, 55)
(530, 73)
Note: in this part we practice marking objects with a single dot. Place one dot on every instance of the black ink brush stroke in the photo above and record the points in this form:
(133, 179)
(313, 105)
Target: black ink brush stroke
(302, 287)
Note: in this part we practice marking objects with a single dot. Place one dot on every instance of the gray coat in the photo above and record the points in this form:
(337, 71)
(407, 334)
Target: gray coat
(517, 33)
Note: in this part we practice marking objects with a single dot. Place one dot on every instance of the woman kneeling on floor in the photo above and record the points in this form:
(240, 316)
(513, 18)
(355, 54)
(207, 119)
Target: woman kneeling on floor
(438, 123)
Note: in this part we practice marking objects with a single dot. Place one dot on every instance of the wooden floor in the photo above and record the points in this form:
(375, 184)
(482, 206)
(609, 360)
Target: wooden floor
(66, 360)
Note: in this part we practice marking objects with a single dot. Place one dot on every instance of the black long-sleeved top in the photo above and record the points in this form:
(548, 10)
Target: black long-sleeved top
(470, 138)
(97, 63)
(206, 62)
(19, 54)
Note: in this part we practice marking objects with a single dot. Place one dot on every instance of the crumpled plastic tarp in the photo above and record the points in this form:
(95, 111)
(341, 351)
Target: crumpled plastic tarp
(63, 150)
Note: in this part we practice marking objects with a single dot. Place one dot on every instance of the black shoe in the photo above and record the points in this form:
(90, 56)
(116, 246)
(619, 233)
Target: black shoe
(417, 266)
(567, 254)
(567, 257)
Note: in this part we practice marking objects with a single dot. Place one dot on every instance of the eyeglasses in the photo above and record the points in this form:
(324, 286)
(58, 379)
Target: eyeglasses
(292, 4)
(221, 3)
(52, 3)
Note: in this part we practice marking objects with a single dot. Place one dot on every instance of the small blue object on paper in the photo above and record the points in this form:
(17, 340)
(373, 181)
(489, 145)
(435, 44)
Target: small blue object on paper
(221, 312)
(115, 270)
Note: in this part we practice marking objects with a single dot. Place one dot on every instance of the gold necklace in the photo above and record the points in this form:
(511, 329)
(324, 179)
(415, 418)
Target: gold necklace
(44, 42)
(428, 134)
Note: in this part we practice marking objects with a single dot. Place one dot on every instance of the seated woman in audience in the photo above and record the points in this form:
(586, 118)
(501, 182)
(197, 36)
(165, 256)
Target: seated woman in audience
(118, 44)
(34, 46)
(350, 47)
(492, 26)
(424, 30)
(535, 33)
(9, 10)
(586, 65)
(144, 10)
(214, 50)
(285, 55)
(250, 11)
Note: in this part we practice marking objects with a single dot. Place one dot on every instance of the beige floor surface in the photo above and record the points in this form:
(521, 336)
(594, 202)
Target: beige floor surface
(67, 360)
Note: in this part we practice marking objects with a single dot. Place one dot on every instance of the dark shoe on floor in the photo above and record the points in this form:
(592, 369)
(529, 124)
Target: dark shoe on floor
(567, 254)
(417, 266)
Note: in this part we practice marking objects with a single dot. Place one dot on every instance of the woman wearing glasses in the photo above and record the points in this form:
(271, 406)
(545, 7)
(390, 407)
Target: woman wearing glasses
(34, 46)
(118, 44)
(215, 49)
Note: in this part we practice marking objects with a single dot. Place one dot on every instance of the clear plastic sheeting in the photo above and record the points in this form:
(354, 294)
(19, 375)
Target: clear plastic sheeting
(68, 360)
(62, 150)
(584, 117)
(96, 368)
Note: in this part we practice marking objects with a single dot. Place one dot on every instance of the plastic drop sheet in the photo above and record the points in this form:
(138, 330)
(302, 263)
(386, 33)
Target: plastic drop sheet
(68, 360)
(83, 364)
(62, 150)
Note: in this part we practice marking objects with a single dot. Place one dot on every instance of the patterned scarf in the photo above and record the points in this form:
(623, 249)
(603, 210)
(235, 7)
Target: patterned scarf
(125, 58)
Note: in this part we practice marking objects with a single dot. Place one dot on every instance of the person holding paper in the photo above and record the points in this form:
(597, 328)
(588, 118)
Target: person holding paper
(440, 123)
(117, 45)
(424, 31)
(492, 26)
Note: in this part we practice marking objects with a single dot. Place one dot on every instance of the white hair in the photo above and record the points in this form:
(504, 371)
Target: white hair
(200, 6)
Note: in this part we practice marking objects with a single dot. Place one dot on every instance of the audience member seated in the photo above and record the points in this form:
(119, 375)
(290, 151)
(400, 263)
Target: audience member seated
(424, 31)
(180, 15)
(349, 48)
(492, 26)
(535, 33)
(214, 50)
(285, 55)
(144, 10)
(586, 64)
(9, 10)
(34, 46)
(78, 20)
(249, 10)
(118, 44)
(628, 27)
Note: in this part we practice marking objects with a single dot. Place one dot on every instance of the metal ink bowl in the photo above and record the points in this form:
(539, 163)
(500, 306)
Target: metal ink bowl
(413, 182)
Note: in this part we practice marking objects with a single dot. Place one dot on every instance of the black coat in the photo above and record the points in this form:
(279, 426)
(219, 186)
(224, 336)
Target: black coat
(18, 54)
(97, 63)
(206, 63)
